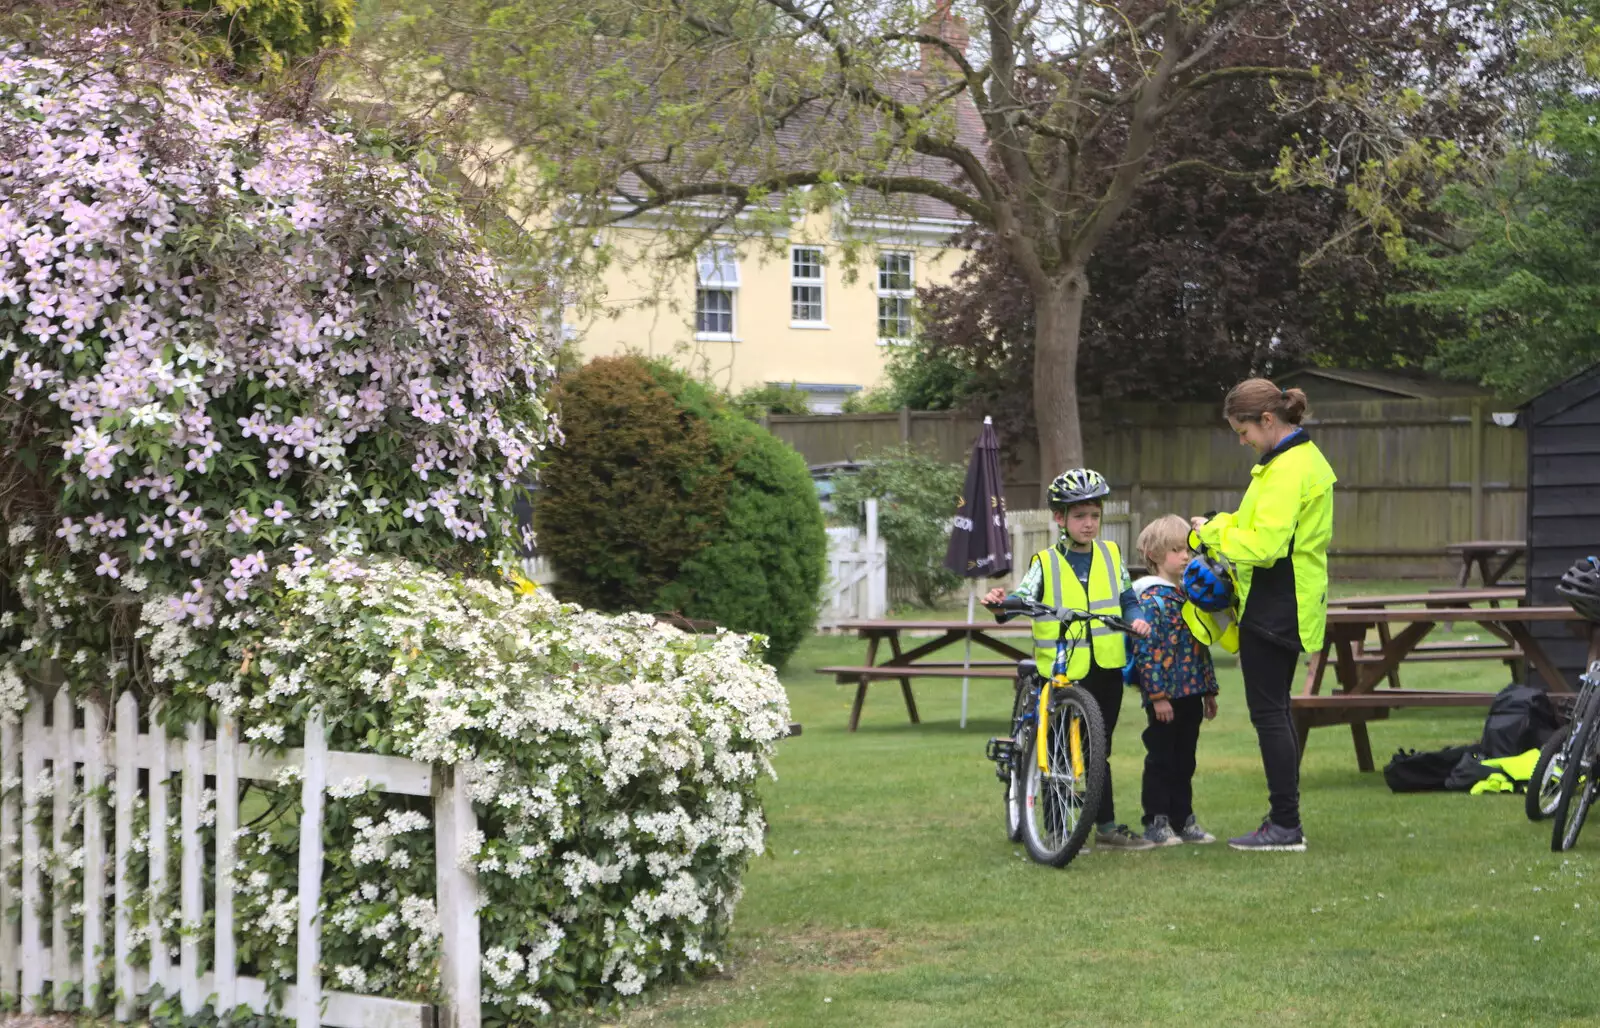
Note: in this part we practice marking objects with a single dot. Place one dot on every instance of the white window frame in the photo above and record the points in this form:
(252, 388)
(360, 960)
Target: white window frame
(797, 281)
(717, 270)
(886, 293)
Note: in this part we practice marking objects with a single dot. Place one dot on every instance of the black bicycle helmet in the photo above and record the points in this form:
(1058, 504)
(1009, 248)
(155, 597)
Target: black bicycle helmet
(1077, 485)
(1580, 587)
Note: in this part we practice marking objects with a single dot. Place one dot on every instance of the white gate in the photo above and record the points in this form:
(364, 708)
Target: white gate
(858, 573)
(26, 964)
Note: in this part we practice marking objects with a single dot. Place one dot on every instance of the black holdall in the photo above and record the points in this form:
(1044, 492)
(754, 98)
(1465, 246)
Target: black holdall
(1410, 771)
(1520, 719)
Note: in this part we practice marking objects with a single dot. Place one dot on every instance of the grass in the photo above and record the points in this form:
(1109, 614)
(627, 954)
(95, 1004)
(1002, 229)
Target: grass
(890, 896)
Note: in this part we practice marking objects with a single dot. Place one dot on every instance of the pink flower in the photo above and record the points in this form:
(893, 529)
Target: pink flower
(108, 566)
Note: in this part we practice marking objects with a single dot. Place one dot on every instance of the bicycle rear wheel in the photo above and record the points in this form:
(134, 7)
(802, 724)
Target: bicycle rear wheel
(1060, 798)
(1544, 788)
(1021, 752)
(1578, 783)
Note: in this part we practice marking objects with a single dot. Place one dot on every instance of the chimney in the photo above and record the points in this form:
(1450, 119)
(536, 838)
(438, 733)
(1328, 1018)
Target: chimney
(948, 26)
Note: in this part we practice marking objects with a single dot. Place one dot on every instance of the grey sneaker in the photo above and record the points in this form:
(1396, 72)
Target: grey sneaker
(1160, 832)
(1271, 838)
(1122, 838)
(1192, 832)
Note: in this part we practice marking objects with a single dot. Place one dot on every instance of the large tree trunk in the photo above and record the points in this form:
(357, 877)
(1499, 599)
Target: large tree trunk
(1058, 316)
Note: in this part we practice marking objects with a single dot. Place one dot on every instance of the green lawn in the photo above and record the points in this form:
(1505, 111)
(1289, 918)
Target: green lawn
(890, 897)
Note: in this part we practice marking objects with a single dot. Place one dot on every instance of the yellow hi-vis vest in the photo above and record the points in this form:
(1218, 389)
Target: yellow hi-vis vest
(1061, 588)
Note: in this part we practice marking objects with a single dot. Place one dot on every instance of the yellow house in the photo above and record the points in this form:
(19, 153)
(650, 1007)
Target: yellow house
(781, 309)
(784, 308)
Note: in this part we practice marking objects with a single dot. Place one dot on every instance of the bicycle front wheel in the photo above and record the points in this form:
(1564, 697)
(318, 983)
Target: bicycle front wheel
(1064, 778)
(1544, 788)
(1578, 782)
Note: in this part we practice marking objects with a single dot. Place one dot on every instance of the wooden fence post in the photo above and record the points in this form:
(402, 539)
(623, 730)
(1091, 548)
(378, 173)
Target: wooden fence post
(10, 815)
(190, 883)
(1477, 469)
(877, 569)
(224, 968)
(456, 889)
(61, 803)
(313, 786)
(905, 426)
(33, 756)
(127, 736)
(160, 772)
(94, 851)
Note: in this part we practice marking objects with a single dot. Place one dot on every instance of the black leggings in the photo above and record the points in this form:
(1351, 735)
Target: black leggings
(1269, 669)
(1105, 685)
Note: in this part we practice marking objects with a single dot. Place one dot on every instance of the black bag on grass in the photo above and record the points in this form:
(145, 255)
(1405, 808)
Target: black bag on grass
(1410, 771)
(1520, 719)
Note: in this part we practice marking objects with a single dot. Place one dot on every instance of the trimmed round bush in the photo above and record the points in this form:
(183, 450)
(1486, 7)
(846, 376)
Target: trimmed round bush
(663, 498)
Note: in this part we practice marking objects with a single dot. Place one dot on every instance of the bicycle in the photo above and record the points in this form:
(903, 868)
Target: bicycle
(1052, 766)
(1575, 764)
(1544, 786)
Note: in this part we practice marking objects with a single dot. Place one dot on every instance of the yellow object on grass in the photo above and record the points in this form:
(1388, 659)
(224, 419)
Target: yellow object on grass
(1509, 772)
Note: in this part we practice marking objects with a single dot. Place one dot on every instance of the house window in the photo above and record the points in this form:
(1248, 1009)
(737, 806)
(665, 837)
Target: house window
(716, 283)
(895, 293)
(805, 286)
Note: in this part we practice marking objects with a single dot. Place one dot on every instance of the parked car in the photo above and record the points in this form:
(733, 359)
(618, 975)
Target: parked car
(826, 477)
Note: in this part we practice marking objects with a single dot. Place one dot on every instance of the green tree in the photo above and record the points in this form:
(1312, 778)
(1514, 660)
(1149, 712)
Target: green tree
(711, 114)
(663, 498)
(917, 497)
(1519, 273)
(757, 402)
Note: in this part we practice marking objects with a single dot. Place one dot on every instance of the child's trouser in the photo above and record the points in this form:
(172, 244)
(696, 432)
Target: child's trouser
(1105, 685)
(1169, 761)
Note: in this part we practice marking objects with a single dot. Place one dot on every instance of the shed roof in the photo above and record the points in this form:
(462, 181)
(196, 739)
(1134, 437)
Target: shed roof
(1402, 385)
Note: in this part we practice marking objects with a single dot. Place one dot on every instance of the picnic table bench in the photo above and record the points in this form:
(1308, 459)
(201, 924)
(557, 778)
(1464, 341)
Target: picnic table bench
(1359, 671)
(904, 665)
(1493, 558)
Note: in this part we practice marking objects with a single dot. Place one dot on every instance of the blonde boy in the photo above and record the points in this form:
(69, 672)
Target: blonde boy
(1173, 670)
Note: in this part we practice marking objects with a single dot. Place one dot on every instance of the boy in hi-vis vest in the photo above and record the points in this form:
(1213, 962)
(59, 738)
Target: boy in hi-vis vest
(1084, 572)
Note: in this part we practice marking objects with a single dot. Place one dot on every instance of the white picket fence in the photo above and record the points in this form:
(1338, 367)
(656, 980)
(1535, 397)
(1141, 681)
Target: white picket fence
(26, 964)
(858, 573)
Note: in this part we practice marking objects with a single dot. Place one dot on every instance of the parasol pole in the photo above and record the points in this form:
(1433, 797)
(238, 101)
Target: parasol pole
(972, 610)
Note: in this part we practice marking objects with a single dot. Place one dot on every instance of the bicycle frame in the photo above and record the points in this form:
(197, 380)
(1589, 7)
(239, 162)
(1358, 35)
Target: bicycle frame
(1065, 649)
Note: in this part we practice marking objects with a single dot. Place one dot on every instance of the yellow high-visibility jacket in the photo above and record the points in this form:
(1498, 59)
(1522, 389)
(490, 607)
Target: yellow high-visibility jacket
(1278, 541)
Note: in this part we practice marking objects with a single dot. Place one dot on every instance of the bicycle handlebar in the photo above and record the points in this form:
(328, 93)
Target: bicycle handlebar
(1016, 606)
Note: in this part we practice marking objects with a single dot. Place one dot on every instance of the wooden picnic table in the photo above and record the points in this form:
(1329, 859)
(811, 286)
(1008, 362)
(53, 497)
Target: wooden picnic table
(1358, 671)
(1434, 598)
(1492, 558)
(904, 664)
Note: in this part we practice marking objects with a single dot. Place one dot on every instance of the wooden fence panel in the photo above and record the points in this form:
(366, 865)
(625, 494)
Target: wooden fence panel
(1414, 475)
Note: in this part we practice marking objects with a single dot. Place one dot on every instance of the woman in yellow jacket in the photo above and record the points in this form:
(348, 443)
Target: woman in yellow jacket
(1277, 542)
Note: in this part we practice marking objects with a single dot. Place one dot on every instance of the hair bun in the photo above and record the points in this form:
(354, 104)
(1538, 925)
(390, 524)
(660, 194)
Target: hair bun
(1295, 405)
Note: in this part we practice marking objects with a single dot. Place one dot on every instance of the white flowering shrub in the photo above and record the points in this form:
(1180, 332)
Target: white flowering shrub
(228, 341)
(613, 763)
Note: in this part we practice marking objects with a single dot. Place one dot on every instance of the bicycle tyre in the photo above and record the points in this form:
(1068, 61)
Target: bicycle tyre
(1568, 821)
(1021, 749)
(1058, 811)
(1544, 788)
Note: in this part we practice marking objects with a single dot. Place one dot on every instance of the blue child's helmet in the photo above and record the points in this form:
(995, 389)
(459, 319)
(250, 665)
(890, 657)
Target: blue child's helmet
(1209, 583)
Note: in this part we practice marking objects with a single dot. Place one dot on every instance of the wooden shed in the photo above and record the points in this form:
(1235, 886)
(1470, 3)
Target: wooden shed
(1563, 431)
(1332, 385)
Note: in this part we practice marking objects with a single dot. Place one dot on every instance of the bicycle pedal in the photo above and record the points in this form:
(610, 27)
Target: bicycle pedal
(1000, 750)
